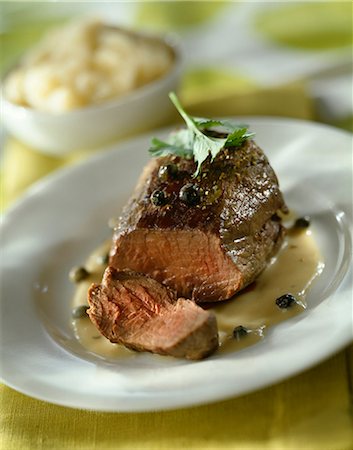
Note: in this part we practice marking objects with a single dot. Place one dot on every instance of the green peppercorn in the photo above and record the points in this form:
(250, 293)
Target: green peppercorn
(158, 198)
(189, 194)
(78, 274)
(302, 222)
(80, 312)
(285, 301)
(168, 172)
(240, 332)
(276, 218)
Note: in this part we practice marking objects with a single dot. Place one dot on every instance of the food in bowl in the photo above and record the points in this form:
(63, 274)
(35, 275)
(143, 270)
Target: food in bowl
(60, 131)
(86, 63)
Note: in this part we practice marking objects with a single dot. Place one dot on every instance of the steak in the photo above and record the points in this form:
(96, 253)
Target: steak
(206, 237)
(132, 309)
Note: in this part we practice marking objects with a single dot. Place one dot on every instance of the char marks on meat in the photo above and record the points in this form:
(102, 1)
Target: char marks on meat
(210, 250)
(132, 309)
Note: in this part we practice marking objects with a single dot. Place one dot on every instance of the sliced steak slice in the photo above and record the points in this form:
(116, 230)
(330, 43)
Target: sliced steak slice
(206, 250)
(132, 309)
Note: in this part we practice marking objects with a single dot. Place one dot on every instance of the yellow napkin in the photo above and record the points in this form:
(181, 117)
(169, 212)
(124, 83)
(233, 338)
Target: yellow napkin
(23, 165)
(308, 412)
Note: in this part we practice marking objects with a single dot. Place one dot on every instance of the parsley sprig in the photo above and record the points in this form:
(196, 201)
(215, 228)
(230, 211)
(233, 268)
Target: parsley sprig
(192, 142)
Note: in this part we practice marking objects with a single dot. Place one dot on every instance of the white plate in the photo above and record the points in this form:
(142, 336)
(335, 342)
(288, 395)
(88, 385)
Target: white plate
(62, 218)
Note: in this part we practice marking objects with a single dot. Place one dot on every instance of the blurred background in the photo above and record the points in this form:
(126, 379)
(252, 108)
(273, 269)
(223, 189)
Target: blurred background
(291, 59)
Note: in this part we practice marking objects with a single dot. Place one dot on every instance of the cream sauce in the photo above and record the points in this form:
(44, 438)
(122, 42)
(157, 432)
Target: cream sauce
(85, 332)
(293, 270)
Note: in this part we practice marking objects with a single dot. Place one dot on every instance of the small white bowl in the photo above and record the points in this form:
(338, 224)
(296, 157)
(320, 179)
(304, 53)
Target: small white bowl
(95, 126)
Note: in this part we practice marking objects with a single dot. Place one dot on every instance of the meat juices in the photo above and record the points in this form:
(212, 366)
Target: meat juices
(205, 250)
(134, 310)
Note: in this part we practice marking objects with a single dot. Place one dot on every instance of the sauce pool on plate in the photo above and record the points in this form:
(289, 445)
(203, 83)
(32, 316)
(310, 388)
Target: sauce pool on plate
(242, 320)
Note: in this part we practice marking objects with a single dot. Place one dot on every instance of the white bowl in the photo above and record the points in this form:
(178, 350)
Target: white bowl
(95, 126)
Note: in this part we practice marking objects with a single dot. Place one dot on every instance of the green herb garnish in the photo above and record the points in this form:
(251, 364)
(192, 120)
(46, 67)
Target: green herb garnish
(192, 142)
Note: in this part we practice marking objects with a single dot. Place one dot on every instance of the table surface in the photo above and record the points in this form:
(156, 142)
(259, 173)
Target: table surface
(310, 411)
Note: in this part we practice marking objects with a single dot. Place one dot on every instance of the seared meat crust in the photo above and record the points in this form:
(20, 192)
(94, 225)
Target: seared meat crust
(210, 250)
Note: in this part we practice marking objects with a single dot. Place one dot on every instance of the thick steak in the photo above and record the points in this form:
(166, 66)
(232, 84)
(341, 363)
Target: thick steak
(134, 310)
(210, 250)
